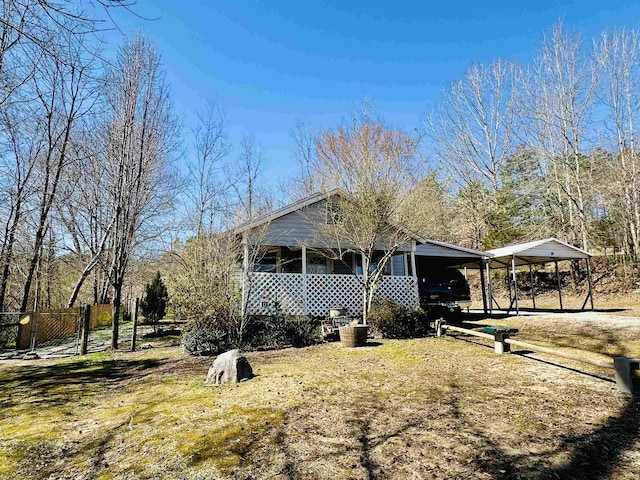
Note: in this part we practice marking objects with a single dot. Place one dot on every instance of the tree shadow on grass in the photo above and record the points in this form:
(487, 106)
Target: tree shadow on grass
(359, 424)
(597, 453)
(59, 383)
(592, 456)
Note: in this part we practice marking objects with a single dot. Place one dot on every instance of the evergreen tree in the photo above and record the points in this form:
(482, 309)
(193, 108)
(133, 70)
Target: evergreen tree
(154, 303)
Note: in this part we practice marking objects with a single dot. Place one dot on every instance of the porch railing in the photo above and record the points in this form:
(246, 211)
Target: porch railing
(300, 294)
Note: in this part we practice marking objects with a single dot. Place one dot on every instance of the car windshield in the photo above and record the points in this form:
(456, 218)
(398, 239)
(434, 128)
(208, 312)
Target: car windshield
(445, 275)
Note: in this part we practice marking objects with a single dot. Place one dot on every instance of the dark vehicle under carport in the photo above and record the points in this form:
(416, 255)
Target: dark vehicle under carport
(442, 287)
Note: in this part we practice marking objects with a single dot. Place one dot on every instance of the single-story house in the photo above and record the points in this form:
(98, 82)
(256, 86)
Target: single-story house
(304, 271)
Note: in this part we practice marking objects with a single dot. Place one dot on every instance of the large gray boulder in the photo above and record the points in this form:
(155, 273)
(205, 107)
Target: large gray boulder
(229, 367)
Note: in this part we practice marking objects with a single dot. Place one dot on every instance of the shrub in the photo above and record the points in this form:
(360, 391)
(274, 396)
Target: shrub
(206, 336)
(277, 331)
(154, 302)
(211, 336)
(391, 320)
(302, 333)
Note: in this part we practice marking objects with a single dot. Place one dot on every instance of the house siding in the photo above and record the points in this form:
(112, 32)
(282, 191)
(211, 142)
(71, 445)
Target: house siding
(302, 228)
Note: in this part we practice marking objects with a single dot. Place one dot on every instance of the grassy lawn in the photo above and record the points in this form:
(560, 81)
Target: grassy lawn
(424, 408)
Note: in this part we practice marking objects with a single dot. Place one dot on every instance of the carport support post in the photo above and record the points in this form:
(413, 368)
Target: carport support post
(86, 324)
(590, 282)
(559, 287)
(515, 282)
(484, 290)
(490, 287)
(533, 293)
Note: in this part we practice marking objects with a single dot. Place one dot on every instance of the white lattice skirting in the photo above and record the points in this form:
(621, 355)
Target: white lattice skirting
(298, 294)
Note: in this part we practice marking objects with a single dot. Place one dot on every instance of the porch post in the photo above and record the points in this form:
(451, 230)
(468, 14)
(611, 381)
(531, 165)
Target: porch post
(304, 260)
(305, 294)
(245, 274)
(413, 259)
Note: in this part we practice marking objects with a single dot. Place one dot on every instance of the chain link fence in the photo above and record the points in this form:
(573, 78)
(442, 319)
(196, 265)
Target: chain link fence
(9, 324)
(49, 328)
(51, 332)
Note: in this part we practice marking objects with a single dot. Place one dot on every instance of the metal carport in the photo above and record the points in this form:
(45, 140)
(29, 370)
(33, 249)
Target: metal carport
(534, 253)
(446, 254)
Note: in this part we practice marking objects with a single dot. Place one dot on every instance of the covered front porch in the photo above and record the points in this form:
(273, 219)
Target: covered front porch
(304, 281)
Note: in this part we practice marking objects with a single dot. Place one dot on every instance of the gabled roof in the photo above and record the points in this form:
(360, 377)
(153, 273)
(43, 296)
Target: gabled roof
(424, 246)
(539, 251)
(287, 209)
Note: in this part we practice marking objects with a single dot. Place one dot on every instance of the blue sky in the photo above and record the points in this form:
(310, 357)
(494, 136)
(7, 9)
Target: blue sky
(272, 63)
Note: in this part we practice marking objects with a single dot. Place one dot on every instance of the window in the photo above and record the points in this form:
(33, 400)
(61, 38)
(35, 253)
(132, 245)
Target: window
(266, 263)
(358, 263)
(290, 260)
(316, 264)
(398, 264)
(333, 213)
(343, 266)
(377, 256)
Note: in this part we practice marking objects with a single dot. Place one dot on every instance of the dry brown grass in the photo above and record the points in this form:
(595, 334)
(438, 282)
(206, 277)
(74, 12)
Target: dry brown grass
(424, 408)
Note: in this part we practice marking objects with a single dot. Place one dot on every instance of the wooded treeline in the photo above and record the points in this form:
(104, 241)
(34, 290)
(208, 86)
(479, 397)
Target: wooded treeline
(92, 180)
(513, 153)
(85, 150)
(546, 149)
(94, 176)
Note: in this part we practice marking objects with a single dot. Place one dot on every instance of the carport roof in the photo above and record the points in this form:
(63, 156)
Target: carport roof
(452, 255)
(433, 248)
(537, 252)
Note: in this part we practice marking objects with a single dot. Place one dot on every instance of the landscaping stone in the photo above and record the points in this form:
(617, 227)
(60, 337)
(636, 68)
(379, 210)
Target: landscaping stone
(229, 367)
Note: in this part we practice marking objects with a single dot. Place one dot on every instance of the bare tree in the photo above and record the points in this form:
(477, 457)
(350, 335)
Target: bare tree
(562, 94)
(22, 145)
(304, 155)
(65, 93)
(85, 212)
(206, 176)
(473, 133)
(371, 165)
(475, 128)
(428, 211)
(141, 135)
(245, 181)
(617, 55)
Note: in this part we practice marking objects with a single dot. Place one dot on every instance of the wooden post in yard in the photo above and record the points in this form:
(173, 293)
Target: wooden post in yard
(135, 325)
(559, 287)
(86, 325)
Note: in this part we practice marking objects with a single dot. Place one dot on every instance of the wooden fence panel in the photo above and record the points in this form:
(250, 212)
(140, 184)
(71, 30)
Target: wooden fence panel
(49, 325)
(101, 316)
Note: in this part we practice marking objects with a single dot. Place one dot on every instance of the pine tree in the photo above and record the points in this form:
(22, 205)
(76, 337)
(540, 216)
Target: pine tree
(154, 303)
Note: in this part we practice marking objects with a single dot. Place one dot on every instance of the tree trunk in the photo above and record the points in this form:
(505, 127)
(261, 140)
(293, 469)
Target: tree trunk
(117, 300)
